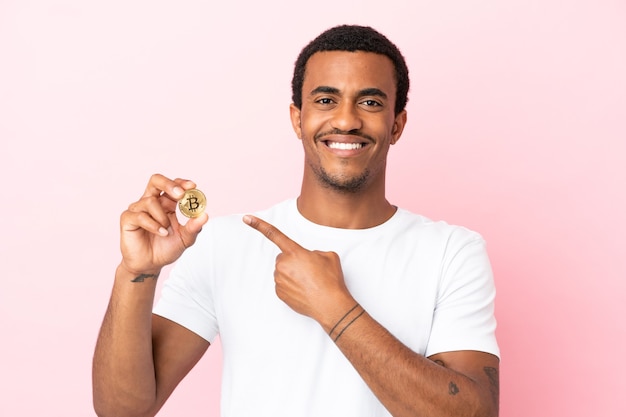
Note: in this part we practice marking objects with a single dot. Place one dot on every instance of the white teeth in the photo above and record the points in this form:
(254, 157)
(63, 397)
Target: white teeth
(345, 146)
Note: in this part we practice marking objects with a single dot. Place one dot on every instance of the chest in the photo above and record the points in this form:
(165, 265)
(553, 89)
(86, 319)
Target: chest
(394, 280)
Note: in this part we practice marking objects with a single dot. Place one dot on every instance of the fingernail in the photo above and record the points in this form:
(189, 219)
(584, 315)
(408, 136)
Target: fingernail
(163, 231)
(247, 219)
(178, 191)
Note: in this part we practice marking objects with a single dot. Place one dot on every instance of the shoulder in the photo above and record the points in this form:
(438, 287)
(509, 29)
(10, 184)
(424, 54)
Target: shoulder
(423, 228)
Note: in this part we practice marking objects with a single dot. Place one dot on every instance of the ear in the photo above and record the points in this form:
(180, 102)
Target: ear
(398, 127)
(296, 120)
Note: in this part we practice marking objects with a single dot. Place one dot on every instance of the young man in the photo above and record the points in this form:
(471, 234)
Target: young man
(343, 304)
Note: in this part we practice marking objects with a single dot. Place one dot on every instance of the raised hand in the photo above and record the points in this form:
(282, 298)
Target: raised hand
(151, 236)
(310, 282)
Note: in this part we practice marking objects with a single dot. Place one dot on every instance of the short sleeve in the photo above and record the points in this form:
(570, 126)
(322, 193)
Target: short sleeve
(464, 313)
(187, 296)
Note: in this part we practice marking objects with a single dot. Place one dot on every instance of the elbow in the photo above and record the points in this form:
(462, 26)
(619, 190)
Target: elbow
(480, 404)
(486, 408)
(107, 407)
(105, 411)
(111, 399)
(487, 412)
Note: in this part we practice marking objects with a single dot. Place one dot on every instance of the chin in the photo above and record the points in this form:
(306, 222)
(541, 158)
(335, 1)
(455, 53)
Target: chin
(343, 183)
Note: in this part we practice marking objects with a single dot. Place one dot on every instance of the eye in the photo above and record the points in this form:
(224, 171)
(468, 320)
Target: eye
(324, 100)
(371, 103)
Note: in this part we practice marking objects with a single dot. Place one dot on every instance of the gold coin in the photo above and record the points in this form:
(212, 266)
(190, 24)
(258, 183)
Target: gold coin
(193, 203)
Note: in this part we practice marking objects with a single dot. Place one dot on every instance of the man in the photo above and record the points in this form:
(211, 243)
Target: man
(343, 304)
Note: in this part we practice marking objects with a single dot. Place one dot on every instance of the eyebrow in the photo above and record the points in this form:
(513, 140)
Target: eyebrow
(324, 89)
(372, 91)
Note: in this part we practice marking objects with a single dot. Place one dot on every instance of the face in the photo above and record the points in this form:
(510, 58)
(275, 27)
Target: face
(347, 120)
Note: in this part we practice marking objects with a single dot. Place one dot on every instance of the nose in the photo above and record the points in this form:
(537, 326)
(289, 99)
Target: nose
(346, 117)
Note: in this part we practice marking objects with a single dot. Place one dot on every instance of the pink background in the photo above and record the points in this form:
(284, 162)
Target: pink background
(516, 129)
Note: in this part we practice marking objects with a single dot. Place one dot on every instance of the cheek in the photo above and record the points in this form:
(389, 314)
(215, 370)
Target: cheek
(313, 123)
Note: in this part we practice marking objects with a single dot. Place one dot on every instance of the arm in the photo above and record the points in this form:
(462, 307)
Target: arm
(463, 383)
(140, 358)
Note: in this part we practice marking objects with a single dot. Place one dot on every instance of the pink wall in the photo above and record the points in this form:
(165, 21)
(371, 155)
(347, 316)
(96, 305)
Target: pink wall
(516, 129)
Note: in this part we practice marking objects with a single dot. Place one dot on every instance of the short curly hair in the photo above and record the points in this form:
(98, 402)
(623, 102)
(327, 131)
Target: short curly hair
(353, 38)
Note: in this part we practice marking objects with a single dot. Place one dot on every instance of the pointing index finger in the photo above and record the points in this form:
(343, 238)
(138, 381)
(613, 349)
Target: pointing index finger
(284, 243)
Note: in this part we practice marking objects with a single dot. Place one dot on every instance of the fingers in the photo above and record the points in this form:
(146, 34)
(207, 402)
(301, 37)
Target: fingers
(133, 220)
(284, 243)
(155, 209)
(161, 185)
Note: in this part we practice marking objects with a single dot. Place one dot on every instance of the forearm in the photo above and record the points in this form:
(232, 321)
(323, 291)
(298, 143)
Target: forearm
(123, 366)
(408, 384)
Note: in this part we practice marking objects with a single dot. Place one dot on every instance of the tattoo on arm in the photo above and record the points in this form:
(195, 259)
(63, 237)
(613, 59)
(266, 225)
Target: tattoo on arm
(345, 317)
(348, 325)
(494, 380)
(142, 277)
(453, 389)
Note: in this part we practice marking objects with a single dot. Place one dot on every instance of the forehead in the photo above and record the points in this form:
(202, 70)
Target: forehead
(344, 70)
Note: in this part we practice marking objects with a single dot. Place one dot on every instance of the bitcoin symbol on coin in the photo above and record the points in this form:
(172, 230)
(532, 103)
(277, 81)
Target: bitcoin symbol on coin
(193, 203)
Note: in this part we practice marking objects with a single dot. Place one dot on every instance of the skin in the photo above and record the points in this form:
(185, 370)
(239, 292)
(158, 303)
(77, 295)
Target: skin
(140, 357)
(343, 93)
(348, 99)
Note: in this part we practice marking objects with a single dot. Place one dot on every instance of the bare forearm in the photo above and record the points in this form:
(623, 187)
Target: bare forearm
(407, 383)
(123, 367)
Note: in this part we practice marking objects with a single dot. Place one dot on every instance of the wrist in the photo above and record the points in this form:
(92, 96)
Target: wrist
(126, 273)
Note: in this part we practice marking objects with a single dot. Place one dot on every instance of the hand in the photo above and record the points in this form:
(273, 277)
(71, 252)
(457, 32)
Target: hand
(310, 282)
(151, 236)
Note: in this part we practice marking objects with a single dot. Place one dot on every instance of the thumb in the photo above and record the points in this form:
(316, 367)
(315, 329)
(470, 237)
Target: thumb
(189, 232)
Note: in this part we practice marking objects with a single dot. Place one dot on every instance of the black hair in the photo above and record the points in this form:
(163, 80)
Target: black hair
(353, 38)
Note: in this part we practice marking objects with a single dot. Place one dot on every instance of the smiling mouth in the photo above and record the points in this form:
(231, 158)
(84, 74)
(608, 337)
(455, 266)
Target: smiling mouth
(344, 146)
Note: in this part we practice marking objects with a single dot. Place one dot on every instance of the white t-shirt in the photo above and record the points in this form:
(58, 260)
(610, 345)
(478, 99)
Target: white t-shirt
(429, 283)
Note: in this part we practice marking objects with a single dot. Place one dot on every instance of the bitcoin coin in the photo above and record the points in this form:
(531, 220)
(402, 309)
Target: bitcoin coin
(193, 203)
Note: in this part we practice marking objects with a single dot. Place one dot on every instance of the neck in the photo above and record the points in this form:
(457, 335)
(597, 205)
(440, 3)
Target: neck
(359, 210)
